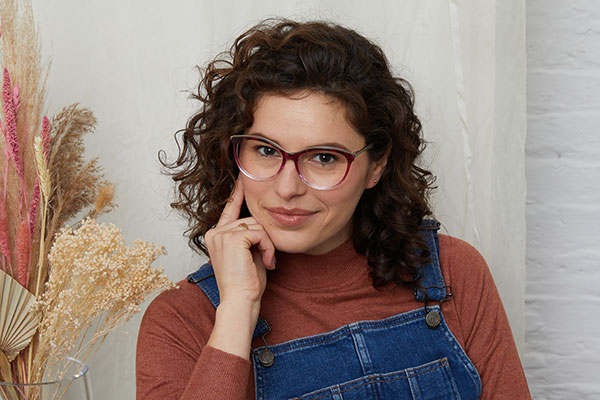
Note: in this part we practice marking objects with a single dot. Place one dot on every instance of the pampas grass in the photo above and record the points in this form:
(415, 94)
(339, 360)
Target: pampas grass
(21, 57)
(104, 200)
(24, 81)
(23, 99)
(76, 181)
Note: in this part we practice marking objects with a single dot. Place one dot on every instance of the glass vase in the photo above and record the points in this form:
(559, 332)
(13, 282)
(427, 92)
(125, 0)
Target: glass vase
(75, 385)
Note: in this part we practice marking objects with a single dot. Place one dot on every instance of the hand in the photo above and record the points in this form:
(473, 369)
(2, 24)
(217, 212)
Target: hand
(240, 252)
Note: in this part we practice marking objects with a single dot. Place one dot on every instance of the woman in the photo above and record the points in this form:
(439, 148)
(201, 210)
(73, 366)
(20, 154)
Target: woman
(326, 278)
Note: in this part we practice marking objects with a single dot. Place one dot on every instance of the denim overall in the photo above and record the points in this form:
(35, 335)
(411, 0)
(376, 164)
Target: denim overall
(412, 355)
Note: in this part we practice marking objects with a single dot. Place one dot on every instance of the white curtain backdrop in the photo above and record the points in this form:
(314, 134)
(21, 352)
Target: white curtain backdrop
(132, 62)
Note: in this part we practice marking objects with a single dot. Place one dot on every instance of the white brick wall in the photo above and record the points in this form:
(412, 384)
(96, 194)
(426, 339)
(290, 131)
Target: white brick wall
(562, 340)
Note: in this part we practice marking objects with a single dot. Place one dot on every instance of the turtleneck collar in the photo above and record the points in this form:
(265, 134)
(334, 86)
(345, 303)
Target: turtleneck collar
(339, 268)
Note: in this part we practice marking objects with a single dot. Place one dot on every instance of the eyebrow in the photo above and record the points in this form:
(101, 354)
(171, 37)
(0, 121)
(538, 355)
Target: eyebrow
(327, 144)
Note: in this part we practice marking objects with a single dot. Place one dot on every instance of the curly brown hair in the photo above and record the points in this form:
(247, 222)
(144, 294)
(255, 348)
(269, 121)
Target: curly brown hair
(285, 57)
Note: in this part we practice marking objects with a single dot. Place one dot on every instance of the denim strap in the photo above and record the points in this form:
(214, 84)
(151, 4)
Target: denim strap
(205, 279)
(433, 287)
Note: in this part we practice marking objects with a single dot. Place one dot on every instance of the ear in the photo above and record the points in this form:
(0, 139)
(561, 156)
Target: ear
(376, 170)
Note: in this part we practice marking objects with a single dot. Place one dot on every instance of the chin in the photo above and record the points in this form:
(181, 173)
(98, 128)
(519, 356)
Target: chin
(289, 242)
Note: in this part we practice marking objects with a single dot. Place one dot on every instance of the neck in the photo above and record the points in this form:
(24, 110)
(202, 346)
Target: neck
(335, 269)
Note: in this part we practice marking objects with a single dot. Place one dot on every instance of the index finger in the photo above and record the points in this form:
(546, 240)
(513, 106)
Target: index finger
(231, 212)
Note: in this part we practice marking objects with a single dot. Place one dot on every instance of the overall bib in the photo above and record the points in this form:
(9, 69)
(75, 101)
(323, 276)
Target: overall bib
(412, 355)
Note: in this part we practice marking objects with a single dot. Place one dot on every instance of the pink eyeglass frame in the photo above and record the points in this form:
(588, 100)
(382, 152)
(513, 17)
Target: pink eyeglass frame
(350, 156)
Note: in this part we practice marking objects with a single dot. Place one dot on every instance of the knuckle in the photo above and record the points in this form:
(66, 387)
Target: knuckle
(228, 235)
(210, 234)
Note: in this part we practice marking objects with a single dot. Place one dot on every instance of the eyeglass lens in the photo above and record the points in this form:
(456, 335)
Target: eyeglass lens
(319, 167)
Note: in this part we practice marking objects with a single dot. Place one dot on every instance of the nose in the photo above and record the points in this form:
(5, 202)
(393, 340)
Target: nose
(288, 183)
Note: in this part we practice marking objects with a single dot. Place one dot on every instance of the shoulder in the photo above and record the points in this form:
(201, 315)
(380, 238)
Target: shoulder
(457, 251)
(186, 296)
(461, 262)
(174, 330)
(473, 288)
(184, 310)
(475, 298)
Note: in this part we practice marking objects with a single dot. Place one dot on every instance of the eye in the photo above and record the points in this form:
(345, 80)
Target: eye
(266, 151)
(325, 158)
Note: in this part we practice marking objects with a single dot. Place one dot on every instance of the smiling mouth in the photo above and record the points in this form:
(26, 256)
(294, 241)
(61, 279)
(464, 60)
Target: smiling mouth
(290, 217)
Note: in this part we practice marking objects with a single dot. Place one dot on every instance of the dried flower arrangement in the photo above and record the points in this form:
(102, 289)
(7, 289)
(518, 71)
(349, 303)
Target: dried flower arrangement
(62, 289)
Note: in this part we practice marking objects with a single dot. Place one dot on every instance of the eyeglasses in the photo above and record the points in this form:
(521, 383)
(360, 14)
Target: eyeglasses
(321, 167)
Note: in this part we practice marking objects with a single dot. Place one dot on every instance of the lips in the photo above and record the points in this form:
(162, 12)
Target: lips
(290, 217)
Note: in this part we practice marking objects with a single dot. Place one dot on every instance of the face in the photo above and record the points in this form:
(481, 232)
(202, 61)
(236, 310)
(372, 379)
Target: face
(298, 218)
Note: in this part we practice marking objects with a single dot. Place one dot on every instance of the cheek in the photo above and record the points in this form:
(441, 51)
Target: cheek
(253, 193)
(343, 201)
(354, 187)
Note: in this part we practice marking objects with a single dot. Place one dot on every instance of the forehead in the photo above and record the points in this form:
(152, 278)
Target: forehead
(303, 120)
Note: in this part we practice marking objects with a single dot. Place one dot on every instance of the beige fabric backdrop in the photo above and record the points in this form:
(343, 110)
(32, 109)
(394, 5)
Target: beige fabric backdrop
(132, 62)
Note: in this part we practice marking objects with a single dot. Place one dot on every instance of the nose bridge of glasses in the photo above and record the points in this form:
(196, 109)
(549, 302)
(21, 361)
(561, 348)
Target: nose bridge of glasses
(292, 158)
(288, 181)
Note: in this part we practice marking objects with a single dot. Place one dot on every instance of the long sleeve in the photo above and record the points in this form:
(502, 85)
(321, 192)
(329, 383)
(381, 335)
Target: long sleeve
(172, 361)
(482, 322)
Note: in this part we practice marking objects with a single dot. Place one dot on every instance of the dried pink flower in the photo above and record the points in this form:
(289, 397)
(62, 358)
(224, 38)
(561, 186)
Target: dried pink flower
(16, 98)
(23, 253)
(10, 117)
(4, 248)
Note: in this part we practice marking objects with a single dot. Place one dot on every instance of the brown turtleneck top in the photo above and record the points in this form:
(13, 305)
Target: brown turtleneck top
(308, 295)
